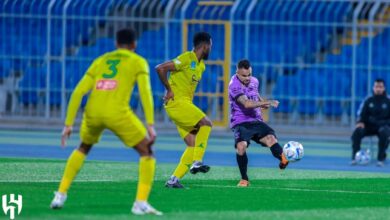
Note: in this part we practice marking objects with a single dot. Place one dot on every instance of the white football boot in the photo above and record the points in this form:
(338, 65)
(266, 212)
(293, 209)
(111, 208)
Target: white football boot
(58, 201)
(144, 208)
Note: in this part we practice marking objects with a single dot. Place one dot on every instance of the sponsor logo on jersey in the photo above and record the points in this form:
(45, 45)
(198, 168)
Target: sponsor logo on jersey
(106, 84)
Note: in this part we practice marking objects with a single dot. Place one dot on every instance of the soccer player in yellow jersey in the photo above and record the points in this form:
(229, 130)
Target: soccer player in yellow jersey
(110, 80)
(192, 124)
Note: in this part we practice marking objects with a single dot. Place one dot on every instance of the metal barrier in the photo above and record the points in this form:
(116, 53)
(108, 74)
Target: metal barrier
(318, 57)
(211, 95)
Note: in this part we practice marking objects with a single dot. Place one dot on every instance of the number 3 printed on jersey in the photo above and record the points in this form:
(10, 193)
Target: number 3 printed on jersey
(112, 65)
(108, 83)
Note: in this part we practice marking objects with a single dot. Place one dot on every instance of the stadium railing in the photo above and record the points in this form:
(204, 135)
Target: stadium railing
(318, 57)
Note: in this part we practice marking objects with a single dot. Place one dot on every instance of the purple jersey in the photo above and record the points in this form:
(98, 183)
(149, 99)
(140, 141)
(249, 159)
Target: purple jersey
(238, 113)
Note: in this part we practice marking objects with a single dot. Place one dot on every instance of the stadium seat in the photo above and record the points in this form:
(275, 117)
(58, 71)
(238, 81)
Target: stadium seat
(309, 91)
(283, 91)
(275, 47)
(5, 68)
(55, 83)
(32, 86)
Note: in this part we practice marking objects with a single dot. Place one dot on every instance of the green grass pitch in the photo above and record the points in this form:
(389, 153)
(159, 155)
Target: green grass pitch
(106, 190)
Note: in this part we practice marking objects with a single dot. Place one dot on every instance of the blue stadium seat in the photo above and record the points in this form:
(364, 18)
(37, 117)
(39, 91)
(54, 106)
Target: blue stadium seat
(283, 90)
(336, 88)
(158, 89)
(32, 85)
(151, 44)
(333, 108)
(5, 68)
(55, 83)
(309, 92)
(105, 45)
(75, 70)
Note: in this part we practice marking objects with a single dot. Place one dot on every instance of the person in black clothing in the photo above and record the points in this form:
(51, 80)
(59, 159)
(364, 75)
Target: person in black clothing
(374, 119)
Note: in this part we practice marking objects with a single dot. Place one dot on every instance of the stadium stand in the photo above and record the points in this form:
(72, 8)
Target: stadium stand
(303, 52)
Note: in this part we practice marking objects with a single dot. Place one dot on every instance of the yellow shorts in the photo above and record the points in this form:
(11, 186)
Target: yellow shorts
(185, 115)
(127, 127)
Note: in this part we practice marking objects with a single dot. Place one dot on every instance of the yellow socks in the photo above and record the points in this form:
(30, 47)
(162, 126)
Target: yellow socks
(185, 162)
(146, 174)
(75, 162)
(201, 142)
(147, 166)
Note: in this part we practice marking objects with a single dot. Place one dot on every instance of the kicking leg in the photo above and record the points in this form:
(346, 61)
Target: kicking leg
(277, 151)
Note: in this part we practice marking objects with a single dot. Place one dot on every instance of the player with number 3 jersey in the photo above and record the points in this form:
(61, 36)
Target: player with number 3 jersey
(110, 81)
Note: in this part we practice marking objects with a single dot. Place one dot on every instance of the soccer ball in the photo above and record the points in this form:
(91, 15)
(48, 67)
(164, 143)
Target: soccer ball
(363, 157)
(293, 151)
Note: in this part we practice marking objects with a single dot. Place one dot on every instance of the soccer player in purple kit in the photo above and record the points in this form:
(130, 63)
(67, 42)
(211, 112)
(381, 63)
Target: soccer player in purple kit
(246, 120)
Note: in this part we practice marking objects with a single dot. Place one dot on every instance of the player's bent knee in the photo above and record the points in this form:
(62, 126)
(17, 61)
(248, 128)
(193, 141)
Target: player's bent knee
(358, 133)
(205, 122)
(241, 147)
(85, 148)
(144, 148)
(209, 123)
(270, 140)
(273, 139)
(240, 152)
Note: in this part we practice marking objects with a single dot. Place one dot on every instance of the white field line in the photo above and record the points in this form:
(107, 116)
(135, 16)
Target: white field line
(294, 189)
(211, 186)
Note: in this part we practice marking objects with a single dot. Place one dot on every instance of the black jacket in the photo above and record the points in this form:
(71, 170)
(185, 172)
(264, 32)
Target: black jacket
(375, 111)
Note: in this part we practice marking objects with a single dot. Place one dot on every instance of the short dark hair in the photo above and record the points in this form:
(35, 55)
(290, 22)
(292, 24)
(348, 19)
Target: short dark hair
(201, 37)
(243, 64)
(126, 36)
(379, 80)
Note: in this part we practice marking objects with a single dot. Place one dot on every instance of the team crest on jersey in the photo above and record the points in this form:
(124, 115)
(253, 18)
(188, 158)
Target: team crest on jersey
(193, 65)
(106, 84)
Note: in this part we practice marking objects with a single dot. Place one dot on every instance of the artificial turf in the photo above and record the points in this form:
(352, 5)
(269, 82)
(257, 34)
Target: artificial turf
(106, 190)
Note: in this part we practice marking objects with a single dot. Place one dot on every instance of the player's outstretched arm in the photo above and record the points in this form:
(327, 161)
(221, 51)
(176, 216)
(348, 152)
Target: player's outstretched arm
(162, 71)
(247, 103)
(261, 99)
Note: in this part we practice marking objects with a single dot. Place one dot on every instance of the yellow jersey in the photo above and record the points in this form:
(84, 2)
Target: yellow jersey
(110, 80)
(188, 72)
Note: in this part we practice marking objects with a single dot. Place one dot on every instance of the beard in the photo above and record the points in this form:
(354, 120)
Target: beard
(244, 82)
(206, 56)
